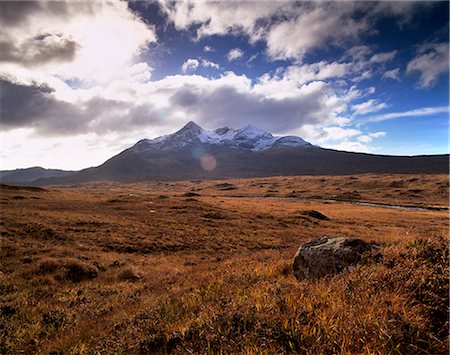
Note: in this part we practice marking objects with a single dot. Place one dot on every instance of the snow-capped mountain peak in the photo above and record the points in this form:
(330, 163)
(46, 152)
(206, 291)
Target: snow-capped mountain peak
(247, 138)
(251, 131)
(190, 131)
(222, 131)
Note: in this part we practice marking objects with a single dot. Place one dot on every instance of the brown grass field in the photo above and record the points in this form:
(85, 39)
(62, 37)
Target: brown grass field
(205, 267)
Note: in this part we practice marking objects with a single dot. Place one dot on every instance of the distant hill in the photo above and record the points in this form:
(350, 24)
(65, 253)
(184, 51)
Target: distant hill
(23, 176)
(194, 153)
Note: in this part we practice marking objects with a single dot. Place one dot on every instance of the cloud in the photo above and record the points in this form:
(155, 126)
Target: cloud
(39, 50)
(358, 53)
(252, 58)
(23, 148)
(233, 99)
(208, 49)
(209, 64)
(220, 18)
(23, 104)
(403, 11)
(335, 133)
(190, 65)
(358, 145)
(431, 62)
(365, 64)
(425, 111)
(16, 12)
(368, 107)
(350, 146)
(383, 57)
(36, 106)
(393, 74)
(377, 134)
(281, 105)
(234, 54)
(340, 137)
(290, 30)
(318, 71)
(369, 137)
(71, 40)
(313, 25)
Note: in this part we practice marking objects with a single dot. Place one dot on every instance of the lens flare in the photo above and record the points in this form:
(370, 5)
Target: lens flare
(208, 162)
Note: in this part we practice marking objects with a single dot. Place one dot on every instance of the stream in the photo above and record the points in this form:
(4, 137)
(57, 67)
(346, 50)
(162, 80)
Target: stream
(370, 204)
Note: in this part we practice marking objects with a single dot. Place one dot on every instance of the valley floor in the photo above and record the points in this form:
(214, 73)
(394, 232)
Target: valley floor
(204, 266)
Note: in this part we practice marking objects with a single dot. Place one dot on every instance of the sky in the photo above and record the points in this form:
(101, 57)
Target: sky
(81, 81)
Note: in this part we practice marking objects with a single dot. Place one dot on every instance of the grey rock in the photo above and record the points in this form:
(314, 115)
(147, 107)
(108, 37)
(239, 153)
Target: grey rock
(328, 256)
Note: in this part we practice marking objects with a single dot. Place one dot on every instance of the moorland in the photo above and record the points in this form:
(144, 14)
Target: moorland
(204, 266)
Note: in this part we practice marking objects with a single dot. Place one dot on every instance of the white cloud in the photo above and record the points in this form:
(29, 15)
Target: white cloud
(335, 133)
(393, 74)
(285, 82)
(431, 62)
(208, 49)
(358, 53)
(364, 139)
(23, 148)
(70, 40)
(234, 54)
(252, 58)
(313, 25)
(220, 18)
(209, 64)
(425, 111)
(340, 138)
(358, 145)
(383, 57)
(363, 64)
(368, 107)
(377, 134)
(190, 65)
(367, 138)
(290, 29)
(318, 71)
(350, 146)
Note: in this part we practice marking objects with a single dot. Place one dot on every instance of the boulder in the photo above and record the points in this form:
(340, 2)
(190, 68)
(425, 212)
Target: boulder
(328, 256)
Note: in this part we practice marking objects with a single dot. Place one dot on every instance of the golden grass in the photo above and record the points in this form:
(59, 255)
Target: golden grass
(142, 268)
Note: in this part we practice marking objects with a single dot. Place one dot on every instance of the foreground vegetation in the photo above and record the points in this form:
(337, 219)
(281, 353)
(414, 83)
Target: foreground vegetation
(197, 267)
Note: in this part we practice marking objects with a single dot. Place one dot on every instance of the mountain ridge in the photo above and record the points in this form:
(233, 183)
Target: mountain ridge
(249, 137)
(236, 153)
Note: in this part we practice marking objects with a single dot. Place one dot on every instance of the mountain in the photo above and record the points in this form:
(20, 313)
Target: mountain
(23, 176)
(195, 153)
(248, 138)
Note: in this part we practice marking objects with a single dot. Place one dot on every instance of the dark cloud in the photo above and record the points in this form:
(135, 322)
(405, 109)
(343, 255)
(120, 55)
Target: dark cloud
(16, 13)
(226, 106)
(13, 13)
(117, 116)
(21, 104)
(39, 50)
(31, 49)
(34, 106)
